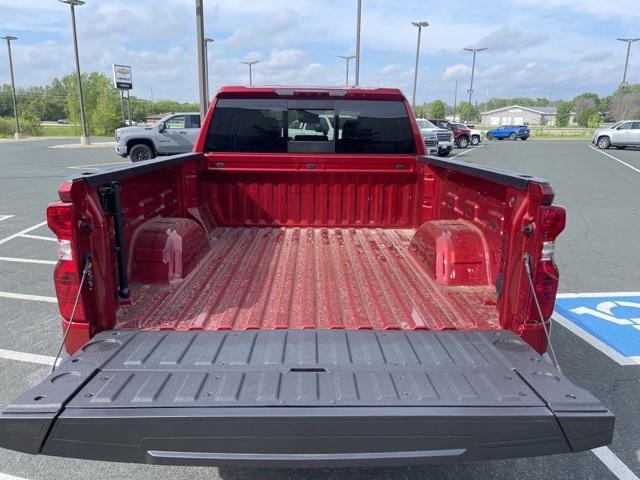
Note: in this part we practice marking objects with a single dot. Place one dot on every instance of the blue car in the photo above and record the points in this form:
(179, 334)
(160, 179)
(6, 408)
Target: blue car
(512, 132)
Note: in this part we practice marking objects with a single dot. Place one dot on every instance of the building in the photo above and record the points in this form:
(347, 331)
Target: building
(517, 115)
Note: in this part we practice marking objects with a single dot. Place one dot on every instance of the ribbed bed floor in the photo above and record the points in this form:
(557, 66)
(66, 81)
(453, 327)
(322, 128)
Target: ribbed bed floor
(263, 278)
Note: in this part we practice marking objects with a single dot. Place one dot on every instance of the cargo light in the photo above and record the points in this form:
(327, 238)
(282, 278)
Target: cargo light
(310, 92)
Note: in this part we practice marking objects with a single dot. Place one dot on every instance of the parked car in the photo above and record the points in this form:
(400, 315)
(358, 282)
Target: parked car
(174, 133)
(444, 135)
(275, 302)
(512, 132)
(620, 135)
(62, 121)
(461, 134)
(475, 134)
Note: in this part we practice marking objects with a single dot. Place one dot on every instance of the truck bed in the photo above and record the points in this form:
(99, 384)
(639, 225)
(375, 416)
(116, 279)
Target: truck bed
(276, 277)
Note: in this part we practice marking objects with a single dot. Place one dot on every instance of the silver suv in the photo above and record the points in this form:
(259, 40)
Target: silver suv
(444, 136)
(620, 135)
(174, 133)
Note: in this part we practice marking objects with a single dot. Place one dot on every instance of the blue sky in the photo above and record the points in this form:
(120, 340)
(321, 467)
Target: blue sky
(536, 47)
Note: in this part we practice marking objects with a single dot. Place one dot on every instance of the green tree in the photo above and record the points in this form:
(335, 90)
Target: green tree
(106, 116)
(437, 109)
(594, 120)
(564, 113)
(468, 112)
(585, 116)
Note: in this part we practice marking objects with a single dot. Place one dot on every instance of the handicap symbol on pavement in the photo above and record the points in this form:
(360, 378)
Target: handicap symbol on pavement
(609, 321)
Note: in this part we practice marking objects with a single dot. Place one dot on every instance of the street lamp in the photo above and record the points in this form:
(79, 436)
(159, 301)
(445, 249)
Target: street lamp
(358, 23)
(251, 63)
(201, 49)
(420, 25)
(347, 58)
(9, 38)
(207, 41)
(84, 139)
(626, 64)
(473, 68)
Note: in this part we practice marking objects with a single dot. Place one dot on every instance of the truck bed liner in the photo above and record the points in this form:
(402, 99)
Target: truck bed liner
(265, 278)
(304, 398)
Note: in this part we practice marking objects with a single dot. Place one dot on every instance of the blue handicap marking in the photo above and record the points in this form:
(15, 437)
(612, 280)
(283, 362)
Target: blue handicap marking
(614, 319)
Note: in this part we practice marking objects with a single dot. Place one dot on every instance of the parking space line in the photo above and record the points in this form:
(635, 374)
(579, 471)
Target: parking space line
(24, 296)
(39, 237)
(26, 357)
(27, 260)
(614, 158)
(6, 476)
(467, 151)
(613, 463)
(22, 232)
(96, 165)
(6, 217)
(601, 294)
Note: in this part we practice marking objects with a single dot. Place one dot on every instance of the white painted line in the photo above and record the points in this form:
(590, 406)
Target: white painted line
(26, 357)
(613, 463)
(6, 217)
(614, 158)
(27, 260)
(96, 165)
(467, 151)
(39, 237)
(6, 476)
(22, 232)
(602, 294)
(24, 296)
(595, 342)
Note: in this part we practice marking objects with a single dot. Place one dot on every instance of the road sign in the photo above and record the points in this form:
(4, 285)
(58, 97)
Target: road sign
(609, 321)
(122, 78)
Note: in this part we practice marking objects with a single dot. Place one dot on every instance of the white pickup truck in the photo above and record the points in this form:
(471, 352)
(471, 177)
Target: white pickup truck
(174, 133)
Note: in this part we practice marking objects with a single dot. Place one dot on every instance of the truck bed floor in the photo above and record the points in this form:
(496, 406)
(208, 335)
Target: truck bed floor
(265, 278)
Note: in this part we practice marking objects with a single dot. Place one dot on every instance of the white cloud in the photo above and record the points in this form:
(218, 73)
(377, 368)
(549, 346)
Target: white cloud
(457, 72)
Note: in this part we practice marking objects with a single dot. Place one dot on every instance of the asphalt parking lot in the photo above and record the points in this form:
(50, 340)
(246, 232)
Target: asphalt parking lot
(598, 252)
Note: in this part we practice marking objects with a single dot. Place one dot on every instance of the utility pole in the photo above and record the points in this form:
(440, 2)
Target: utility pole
(200, 46)
(251, 64)
(207, 41)
(347, 58)
(84, 139)
(626, 63)
(358, 23)
(9, 38)
(455, 101)
(420, 25)
(473, 68)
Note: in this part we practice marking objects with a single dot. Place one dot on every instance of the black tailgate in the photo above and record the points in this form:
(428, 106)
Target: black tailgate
(304, 398)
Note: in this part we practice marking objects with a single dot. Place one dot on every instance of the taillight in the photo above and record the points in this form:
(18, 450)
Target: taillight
(546, 274)
(66, 276)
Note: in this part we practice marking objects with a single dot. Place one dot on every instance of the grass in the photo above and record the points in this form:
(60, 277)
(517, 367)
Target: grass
(61, 131)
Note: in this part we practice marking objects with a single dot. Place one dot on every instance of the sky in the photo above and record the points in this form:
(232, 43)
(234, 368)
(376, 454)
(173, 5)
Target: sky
(536, 48)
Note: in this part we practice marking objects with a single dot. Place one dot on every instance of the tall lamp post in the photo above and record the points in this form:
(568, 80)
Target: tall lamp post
(207, 41)
(84, 139)
(473, 68)
(358, 23)
(251, 64)
(201, 49)
(347, 58)
(626, 63)
(420, 26)
(9, 38)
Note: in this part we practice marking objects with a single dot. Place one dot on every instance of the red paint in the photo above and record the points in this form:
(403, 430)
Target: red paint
(357, 241)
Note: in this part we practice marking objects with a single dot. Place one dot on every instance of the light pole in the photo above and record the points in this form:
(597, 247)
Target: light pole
(251, 63)
(626, 63)
(9, 38)
(347, 58)
(207, 41)
(84, 139)
(420, 25)
(473, 68)
(358, 23)
(201, 49)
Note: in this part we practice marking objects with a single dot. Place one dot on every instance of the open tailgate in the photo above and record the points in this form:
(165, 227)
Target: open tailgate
(304, 398)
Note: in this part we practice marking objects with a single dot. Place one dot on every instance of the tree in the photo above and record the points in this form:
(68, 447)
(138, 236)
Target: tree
(437, 109)
(563, 114)
(594, 121)
(585, 116)
(585, 101)
(468, 112)
(106, 116)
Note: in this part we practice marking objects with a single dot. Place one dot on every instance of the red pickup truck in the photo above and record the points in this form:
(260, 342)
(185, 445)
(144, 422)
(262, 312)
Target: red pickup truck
(324, 297)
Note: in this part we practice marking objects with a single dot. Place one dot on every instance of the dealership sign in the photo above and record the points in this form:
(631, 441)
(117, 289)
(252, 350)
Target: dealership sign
(122, 77)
